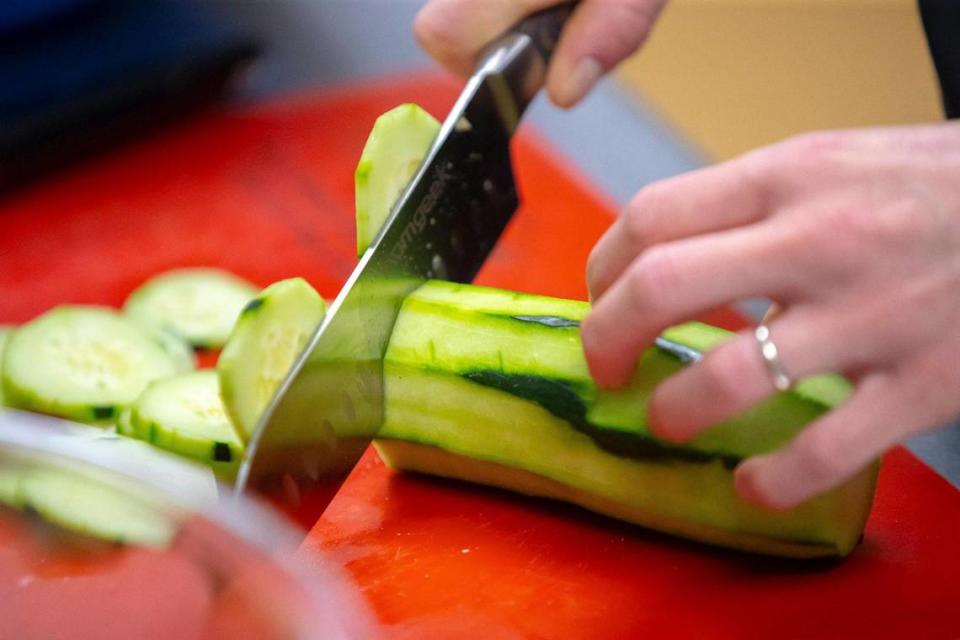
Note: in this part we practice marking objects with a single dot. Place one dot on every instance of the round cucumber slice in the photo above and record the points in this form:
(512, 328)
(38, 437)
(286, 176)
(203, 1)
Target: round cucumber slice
(80, 362)
(184, 415)
(199, 305)
(394, 150)
(5, 331)
(272, 331)
(77, 502)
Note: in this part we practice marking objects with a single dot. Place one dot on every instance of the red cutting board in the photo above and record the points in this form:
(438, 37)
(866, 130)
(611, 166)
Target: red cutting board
(268, 193)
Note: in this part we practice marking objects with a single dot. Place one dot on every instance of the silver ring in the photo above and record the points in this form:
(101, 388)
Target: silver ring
(771, 358)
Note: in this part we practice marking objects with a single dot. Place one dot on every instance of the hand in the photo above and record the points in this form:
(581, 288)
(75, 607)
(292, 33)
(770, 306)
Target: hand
(857, 236)
(599, 34)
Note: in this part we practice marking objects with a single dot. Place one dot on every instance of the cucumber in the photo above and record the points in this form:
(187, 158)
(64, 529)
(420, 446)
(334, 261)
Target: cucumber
(184, 415)
(93, 506)
(199, 305)
(124, 424)
(84, 363)
(81, 478)
(269, 335)
(492, 387)
(10, 487)
(5, 332)
(393, 152)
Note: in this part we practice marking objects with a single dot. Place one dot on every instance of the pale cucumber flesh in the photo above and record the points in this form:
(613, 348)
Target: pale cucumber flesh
(271, 332)
(185, 415)
(80, 362)
(199, 305)
(393, 152)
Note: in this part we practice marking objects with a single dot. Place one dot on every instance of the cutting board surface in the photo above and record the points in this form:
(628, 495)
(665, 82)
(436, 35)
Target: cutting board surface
(268, 193)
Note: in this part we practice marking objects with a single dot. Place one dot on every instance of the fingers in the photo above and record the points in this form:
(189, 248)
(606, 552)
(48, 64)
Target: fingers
(599, 35)
(733, 377)
(886, 408)
(454, 32)
(704, 201)
(828, 451)
(673, 282)
(849, 335)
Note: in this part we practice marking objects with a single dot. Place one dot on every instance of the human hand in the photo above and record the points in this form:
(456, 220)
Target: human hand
(856, 234)
(598, 35)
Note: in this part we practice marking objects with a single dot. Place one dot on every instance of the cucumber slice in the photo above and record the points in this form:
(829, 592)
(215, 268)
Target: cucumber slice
(94, 507)
(199, 305)
(394, 150)
(80, 362)
(5, 332)
(184, 415)
(125, 424)
(271, 332)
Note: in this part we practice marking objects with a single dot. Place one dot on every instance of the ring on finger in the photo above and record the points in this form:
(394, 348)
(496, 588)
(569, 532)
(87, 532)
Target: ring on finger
(771, 358)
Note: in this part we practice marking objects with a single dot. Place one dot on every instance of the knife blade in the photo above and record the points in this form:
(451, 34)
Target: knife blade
(444, 225)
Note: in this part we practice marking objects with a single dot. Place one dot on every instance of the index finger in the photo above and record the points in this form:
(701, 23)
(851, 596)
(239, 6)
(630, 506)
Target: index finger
(708, 200)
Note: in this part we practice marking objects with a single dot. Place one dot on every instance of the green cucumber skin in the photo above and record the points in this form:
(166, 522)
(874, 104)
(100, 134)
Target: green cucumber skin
(501, 378)
(184, 416)
(560, 399)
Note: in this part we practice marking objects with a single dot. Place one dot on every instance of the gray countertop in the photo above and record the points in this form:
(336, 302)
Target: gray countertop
(612, 138)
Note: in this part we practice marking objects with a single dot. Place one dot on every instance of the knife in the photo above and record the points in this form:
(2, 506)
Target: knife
(444, 225)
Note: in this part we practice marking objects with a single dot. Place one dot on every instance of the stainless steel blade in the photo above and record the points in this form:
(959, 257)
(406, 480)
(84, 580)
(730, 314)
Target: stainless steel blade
(444, 225)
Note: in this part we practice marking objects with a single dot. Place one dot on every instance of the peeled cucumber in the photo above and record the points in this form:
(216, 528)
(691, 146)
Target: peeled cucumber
(491, 386)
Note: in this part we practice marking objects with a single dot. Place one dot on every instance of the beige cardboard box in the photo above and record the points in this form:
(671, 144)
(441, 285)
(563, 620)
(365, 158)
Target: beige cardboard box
(736, 74)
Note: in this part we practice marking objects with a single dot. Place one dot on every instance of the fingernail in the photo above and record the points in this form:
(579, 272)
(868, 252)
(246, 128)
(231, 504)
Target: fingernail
(576, 84)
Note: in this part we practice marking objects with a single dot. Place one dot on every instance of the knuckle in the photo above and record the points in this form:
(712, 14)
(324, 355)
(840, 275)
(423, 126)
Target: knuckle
(653, 280)
(814, 148)
(902, 221)
(724, 376)
(642, 212)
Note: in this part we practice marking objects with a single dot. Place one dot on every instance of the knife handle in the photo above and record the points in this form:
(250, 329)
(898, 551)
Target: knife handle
(544, 27)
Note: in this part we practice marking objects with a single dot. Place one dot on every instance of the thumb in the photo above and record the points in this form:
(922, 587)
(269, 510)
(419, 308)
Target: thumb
(598, 36)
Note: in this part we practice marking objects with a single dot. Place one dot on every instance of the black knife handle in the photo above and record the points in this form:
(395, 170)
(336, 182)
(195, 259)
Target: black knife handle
(544, 27)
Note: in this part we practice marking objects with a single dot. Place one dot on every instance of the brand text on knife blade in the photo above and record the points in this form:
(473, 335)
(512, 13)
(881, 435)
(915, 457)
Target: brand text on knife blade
(419, 220)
